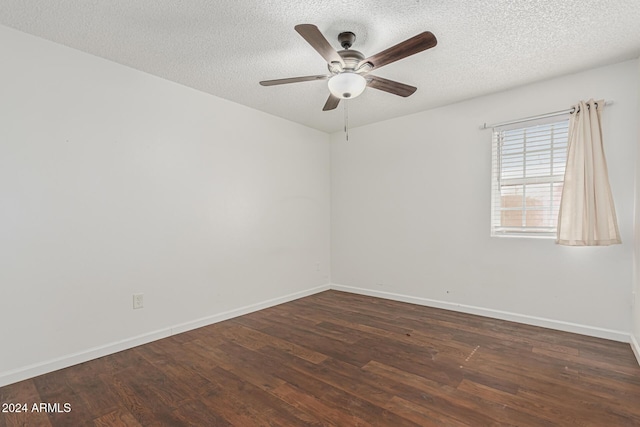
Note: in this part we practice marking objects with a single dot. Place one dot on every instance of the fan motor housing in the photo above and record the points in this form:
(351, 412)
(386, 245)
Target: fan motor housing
(351, 59)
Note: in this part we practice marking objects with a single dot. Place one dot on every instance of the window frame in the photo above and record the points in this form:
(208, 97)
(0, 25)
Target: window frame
(498, 182)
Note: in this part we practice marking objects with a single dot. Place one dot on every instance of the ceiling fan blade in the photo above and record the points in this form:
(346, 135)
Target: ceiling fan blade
(292, 80)
(314, 37)
(415, 44)
(331, 104)
(390, 86)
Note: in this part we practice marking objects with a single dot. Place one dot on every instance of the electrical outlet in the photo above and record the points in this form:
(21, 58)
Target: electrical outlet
(138, 301)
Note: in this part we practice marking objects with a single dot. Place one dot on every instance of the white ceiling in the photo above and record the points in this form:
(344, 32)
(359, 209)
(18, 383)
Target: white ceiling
(225, 47)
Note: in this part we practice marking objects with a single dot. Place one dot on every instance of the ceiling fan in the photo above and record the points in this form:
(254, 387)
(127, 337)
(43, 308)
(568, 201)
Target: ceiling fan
(349, 69)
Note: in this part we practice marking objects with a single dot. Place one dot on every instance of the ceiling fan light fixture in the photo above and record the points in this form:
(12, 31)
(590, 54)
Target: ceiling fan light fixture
(347, 85)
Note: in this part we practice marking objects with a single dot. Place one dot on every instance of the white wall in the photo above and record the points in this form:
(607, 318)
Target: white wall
(113, 181)
(635, 327)
(410, 212)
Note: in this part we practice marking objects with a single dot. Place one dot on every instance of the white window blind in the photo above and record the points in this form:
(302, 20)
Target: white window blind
(527, 177)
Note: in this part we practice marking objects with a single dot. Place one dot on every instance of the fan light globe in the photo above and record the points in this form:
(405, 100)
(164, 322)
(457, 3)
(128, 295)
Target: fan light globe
(347, 85)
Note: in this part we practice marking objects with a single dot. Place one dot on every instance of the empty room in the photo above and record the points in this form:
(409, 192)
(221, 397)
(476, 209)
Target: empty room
(414, 213)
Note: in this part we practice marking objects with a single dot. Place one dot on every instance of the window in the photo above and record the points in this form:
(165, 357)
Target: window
(527, 176)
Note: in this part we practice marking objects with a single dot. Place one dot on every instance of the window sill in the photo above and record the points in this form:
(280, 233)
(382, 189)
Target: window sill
(525, 236)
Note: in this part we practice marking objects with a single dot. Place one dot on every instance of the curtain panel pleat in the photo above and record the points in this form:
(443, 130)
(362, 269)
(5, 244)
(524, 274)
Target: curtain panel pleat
(587, 215)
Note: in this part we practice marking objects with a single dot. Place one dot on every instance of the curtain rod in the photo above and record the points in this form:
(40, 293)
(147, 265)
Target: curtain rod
(528, 119)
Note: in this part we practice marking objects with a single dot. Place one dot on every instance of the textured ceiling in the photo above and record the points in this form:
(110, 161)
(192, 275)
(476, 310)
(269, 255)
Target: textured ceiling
(225, 47)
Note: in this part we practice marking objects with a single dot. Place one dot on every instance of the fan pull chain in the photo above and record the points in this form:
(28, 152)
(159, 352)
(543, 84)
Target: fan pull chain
(346, 120)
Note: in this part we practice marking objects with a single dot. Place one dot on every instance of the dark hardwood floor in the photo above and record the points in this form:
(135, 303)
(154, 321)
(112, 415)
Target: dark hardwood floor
(347, 360)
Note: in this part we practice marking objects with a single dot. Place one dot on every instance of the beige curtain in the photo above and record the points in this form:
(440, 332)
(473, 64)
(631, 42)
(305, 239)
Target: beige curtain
(587, 215)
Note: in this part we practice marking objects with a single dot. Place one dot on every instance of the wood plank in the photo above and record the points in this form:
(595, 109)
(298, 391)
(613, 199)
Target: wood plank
(335, 358)
(254, 404)
(196, 413)
(326, 414)
(117, 418)
(24, 392)
(138, 400)
(54, 388)
(310, 378)
(439, 398)
(420, 414)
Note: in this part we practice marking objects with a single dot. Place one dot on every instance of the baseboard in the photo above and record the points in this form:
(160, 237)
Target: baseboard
(496, 314)
(23, 373)
(635, 346)
(209, 320)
